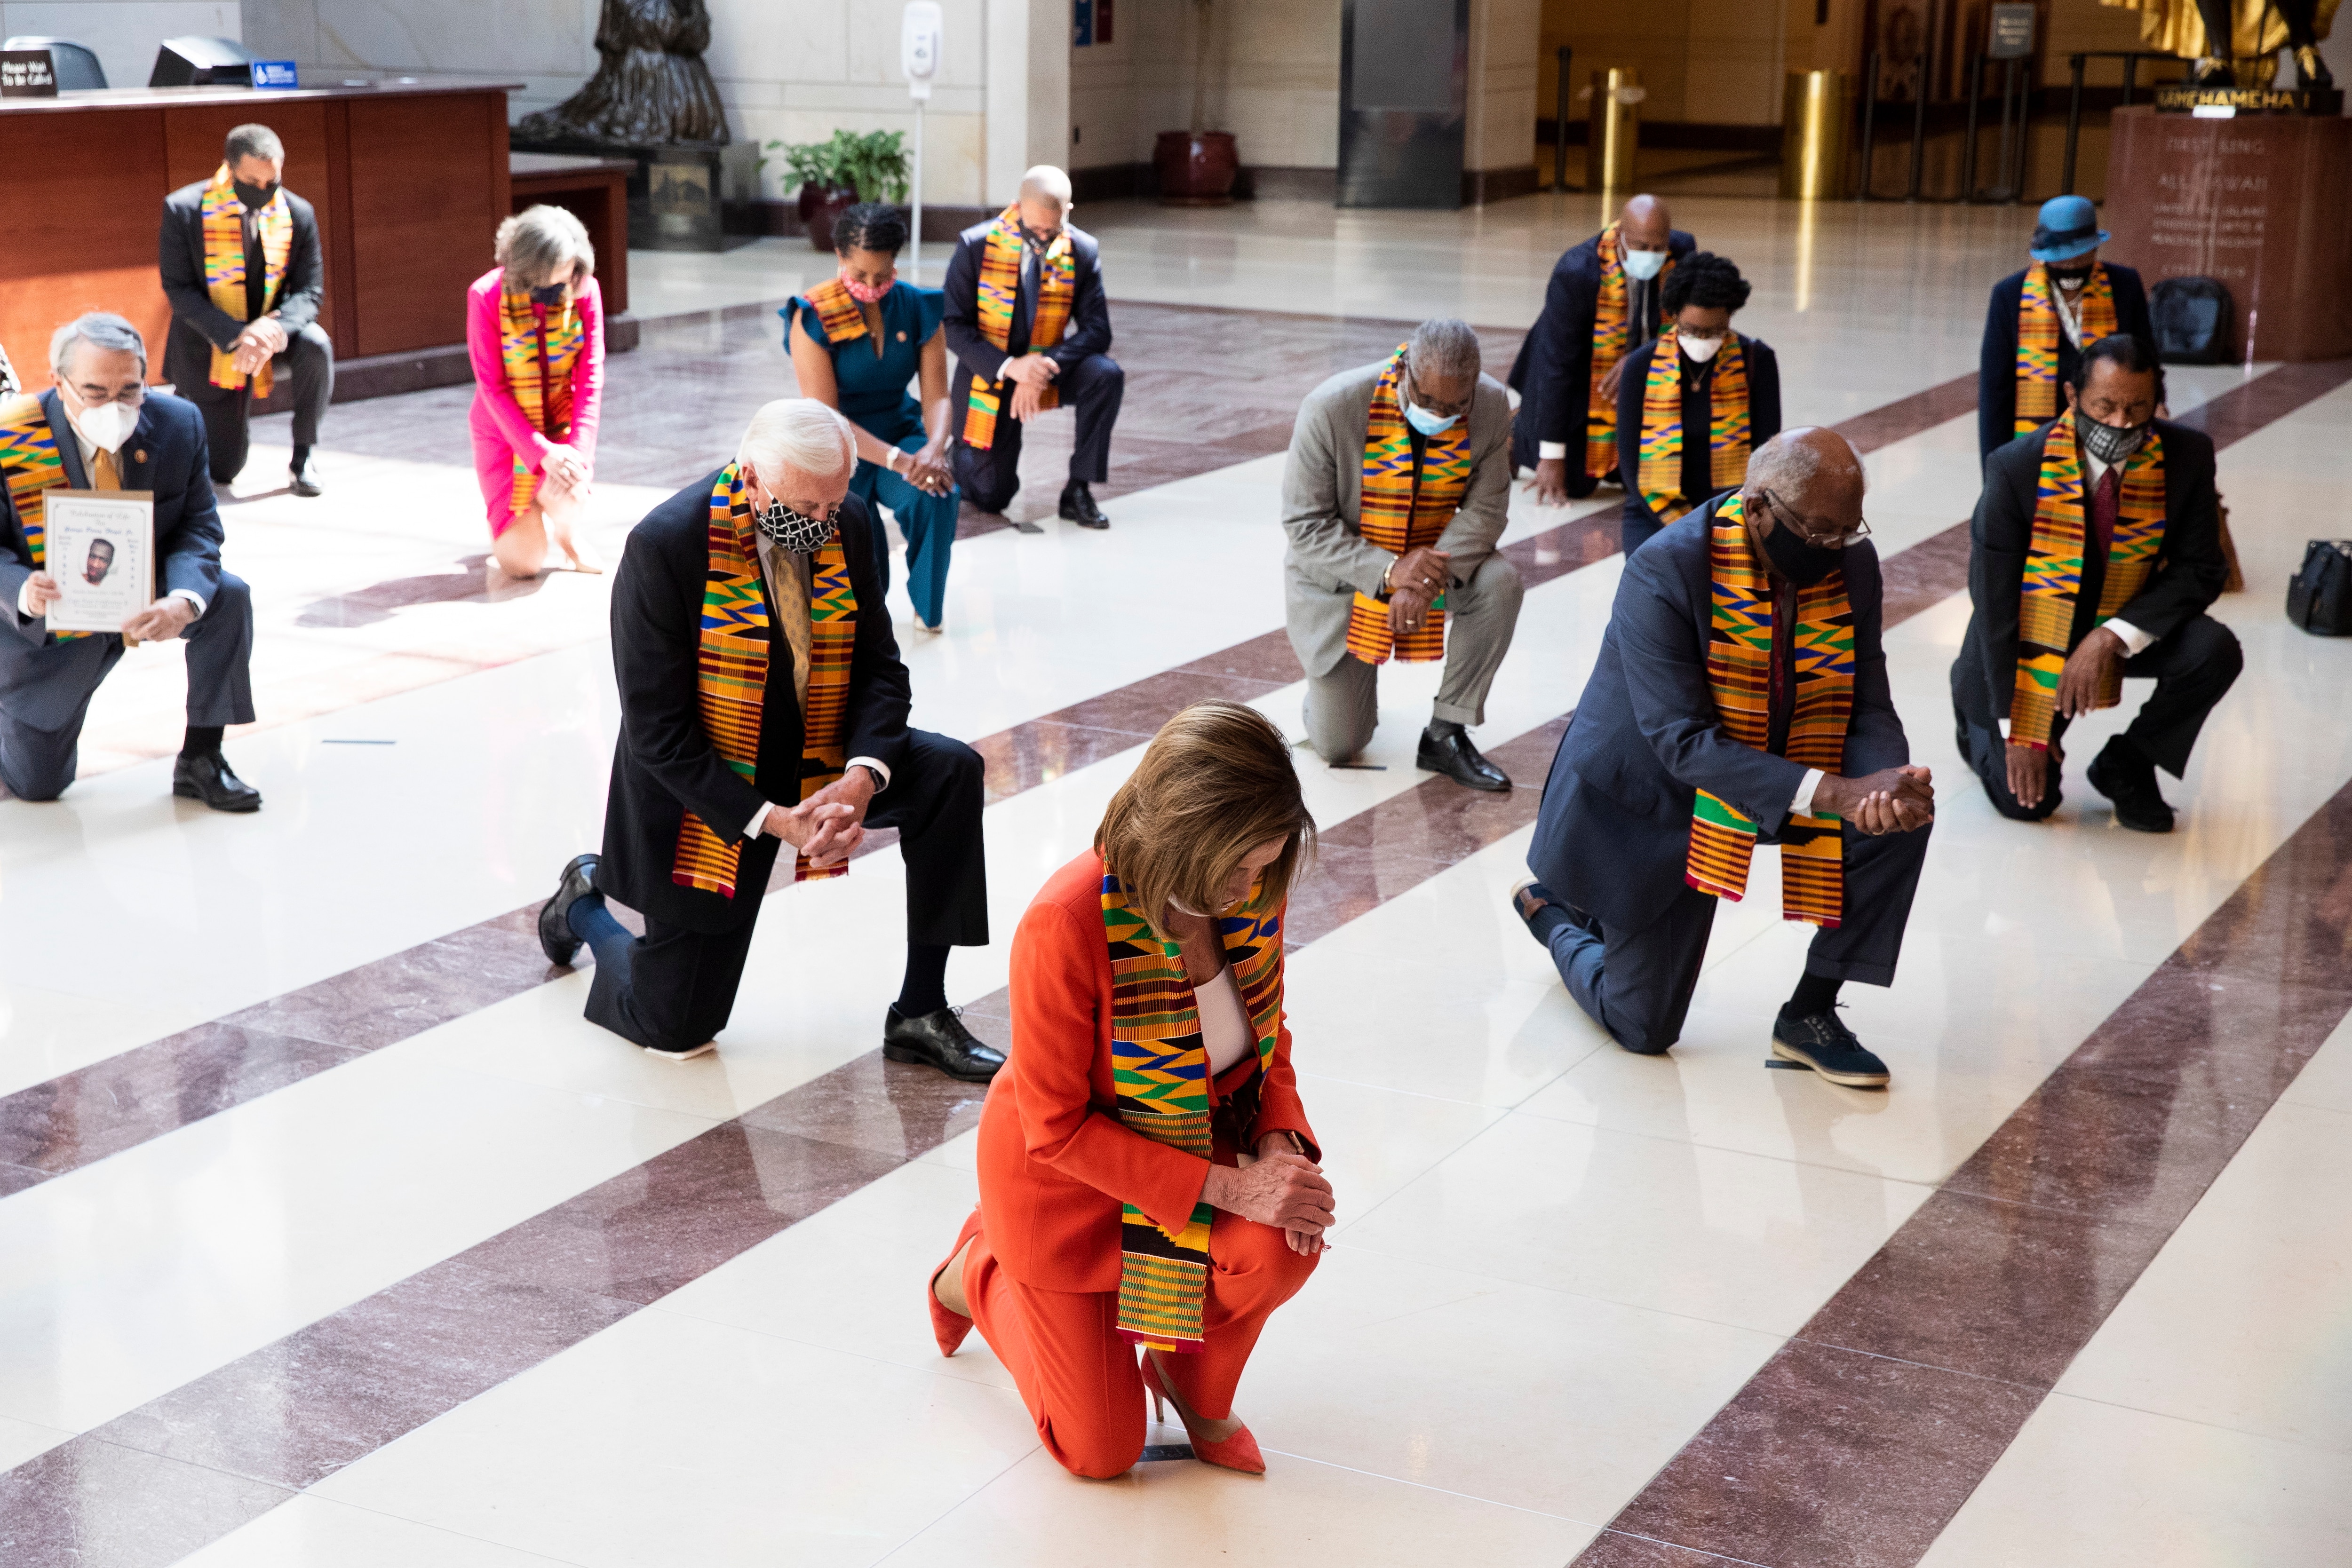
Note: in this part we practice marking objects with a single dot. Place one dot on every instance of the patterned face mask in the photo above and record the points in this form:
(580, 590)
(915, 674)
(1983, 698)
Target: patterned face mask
(788, 529)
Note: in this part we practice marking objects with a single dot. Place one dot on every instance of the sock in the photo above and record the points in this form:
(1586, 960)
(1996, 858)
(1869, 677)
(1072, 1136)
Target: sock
(925, 987)
(301, 455)
(1546, 920)
(594, 925)
(202, 740)
(1814, 994)
(1441, 728)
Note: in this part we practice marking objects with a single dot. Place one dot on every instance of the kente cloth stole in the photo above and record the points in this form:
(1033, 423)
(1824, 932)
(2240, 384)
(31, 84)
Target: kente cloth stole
(1160, 1073)
(998, 294)
(223, 217)
(731, 680)
(1740, 675)
(2053, 572)
(2038, 336)
(30, 466)
(1400, 512)
(838, 311)
(1611, 332)
(1661, 476)
(539, 365)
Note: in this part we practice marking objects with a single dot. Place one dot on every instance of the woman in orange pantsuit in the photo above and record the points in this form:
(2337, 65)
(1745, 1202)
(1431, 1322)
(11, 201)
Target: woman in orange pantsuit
(1175, 1204)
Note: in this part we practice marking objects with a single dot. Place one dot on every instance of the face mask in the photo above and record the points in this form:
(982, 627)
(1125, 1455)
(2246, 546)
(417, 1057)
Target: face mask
(1701, 349)
(2070, 277)
(551, 295)
(1801, 563)
(788, 529)
(866, 293)
(1644, 265)
(255, 196)
(1426, 422)
(2110, 443)
(109, 425)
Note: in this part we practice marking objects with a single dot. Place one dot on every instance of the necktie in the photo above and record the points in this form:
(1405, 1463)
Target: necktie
(105, 473)
(788, 573)
(2105, 496)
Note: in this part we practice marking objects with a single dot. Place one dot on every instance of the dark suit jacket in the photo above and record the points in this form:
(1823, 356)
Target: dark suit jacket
(165, 454)
(2191, 570)
(665, 766)
(1698, 405)
(1085, 335)
(1997, 368)
(1613, 831)
(1553, 374)
(198, 326)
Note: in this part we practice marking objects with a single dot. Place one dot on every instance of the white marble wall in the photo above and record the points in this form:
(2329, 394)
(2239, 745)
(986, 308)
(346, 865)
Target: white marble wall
(123, 34)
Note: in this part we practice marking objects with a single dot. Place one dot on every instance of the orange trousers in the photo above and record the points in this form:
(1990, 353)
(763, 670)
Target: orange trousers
(1082, 1384)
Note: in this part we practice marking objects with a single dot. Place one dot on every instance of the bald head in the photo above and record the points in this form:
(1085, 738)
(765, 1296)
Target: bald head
(1815, 473)
(1646, 223)
(1045, 198)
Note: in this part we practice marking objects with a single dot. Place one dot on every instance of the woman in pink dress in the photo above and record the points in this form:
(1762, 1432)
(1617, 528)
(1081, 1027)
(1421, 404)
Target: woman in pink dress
(535, 328)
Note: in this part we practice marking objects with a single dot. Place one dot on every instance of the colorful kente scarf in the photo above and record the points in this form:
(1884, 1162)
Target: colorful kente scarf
(838, 311)
(1160, 1071)
(999, 293)
(731, 679)
(1661, 476)
(30, 466)
(1740, 675)
(540, 358)
(2038, 335)
(1610, 332)
(2053, 572)
(223, 217)
(1401, 510)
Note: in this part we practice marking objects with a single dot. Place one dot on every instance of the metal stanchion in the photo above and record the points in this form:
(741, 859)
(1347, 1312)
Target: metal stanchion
(1975, 74)
(1816, 116)
(1921, 89)
(1869, 124)
(2002, 192)
(1560, 125)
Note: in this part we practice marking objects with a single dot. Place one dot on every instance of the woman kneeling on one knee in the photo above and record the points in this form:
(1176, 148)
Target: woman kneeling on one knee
(1147, 1172)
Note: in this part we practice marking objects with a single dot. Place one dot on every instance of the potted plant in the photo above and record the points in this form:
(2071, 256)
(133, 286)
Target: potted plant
(837, 173)
(1196, 168)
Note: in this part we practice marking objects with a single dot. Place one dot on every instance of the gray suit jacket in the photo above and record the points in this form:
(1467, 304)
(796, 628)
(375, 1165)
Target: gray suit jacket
(1322, 492)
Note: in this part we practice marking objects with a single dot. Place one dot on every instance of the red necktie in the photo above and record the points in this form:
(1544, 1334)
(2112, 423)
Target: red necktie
(2104, 497)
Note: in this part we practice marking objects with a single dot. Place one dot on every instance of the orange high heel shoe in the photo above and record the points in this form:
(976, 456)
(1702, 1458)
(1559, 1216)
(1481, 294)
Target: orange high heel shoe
(1238, 1452)
(948, 1327)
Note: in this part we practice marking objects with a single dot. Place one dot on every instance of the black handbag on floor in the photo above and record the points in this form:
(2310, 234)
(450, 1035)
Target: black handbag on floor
(2319, 596)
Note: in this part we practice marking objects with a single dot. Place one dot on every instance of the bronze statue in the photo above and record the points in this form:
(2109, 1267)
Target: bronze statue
(651, 87)
(2237, 41)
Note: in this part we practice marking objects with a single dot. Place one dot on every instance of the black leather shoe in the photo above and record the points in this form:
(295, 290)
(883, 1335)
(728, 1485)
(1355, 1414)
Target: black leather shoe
(555, 938)
(2128, 779)
(305, 481)
(207, 778)
(1822, 1042)
(1445, 748)
(1079, 506)
(939, 1039)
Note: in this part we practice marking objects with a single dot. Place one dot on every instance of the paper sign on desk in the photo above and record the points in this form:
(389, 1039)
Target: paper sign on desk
(27, 73)
(100, 547)
(276, 76)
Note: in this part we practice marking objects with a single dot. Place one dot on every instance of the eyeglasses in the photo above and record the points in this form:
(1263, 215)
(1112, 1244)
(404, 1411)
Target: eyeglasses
(1453, 409)
(1814, 533)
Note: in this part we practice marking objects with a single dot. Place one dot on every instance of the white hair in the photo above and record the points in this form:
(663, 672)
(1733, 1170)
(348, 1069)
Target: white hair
(1783, 463)
(1443, 348)
(796, 432)
(1045, 180)
(102, 331)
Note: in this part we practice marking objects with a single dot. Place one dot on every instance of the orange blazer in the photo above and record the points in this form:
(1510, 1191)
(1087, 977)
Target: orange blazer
(1055, 1162)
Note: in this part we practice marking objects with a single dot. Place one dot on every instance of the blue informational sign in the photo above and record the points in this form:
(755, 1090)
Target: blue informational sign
(1084, 36)
(274, 73)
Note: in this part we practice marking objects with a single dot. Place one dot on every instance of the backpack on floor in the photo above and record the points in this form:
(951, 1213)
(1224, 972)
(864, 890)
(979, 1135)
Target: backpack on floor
(2191, 317)
(2319, 596)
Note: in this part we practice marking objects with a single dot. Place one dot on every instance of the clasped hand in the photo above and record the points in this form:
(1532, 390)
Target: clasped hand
(1891, 801)
(261, 341)
(829, 825)
(928, 470)
(1029, 374)
(565, 469)
(2088, 668)
(1414, 583)
(1282, 1188)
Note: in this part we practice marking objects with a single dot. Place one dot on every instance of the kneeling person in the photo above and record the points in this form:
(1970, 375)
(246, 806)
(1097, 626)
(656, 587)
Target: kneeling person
(755, 666)
(2095, 549)
(1740, 697)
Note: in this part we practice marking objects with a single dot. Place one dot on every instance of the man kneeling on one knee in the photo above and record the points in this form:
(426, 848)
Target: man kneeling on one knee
(1740, 697)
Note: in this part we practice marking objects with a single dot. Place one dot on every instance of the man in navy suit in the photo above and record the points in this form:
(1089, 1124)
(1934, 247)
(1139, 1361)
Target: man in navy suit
(100, 428)
(1613, 840)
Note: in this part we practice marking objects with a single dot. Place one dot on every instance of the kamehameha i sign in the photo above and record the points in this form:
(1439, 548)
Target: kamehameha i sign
(2229, 102)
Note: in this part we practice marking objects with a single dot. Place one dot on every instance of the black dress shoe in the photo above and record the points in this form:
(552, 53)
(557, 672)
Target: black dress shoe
(1822, 1042)
(1445, 748)
(305, 481)
(2128, 778)
(555, 938)
(207, 777)
(939, 1039)
(1079, 506)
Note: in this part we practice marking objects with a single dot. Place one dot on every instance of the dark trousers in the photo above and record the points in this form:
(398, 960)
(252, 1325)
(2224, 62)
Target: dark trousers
(674, 988)
(1094, 387)
(309, 362)
(45, 691)
(1526, 450)
(1637, 985)
(2193, 667)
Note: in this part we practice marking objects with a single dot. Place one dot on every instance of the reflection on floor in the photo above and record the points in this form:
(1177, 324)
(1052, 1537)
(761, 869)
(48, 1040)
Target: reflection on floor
(334, 1236)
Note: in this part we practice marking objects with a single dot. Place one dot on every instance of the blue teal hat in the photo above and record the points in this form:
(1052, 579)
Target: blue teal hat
(2067, 227)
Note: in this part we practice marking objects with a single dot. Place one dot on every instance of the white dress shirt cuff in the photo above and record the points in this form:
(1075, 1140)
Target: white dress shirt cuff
(758, 817)
(1802, 806)
(2136, 641)
(25, 601)
(880, 769)
(1548, 449)
(192, 596)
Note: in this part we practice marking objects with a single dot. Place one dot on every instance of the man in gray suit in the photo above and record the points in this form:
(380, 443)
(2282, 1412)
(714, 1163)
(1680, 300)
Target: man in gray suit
(1404, 599)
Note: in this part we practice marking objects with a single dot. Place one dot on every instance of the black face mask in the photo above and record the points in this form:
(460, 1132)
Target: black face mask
(551, 295)
(1801, 563)
(256, 197)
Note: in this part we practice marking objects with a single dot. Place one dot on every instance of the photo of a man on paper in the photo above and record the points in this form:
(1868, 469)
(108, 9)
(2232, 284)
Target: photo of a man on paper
(100, 562)
(106, 535)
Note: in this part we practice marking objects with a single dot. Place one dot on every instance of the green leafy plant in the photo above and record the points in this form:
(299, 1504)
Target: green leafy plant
(805, 163)
(874, 163)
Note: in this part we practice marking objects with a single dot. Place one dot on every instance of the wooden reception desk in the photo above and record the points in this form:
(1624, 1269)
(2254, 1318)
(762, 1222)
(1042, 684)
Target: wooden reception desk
(409, 177)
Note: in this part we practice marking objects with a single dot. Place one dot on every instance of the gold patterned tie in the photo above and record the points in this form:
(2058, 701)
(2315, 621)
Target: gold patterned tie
(105, 473)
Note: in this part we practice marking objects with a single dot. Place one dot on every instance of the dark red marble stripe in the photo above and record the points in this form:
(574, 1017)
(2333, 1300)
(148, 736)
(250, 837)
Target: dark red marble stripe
(2266, 399)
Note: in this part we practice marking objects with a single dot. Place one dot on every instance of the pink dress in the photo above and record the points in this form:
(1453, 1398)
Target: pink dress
(503, 433)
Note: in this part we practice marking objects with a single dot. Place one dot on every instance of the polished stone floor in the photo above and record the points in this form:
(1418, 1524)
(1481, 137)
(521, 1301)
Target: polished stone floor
(330, 1234)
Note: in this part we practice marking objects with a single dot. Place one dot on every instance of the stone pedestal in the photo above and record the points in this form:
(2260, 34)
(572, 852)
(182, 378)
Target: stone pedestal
(2261, 203)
